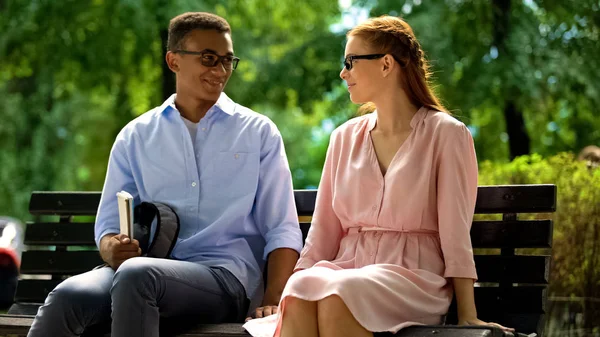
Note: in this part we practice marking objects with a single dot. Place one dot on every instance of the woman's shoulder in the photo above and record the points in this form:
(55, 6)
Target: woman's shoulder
(353, 126)
(444, 124)
(442, 119)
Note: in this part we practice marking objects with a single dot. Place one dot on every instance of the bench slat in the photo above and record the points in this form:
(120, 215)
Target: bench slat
(484, 234)
(15, 325)
(513, 300)
(23, 309)
(53, 233)
(59, 263)
(501, 234)
(512, 234)
(305, 201)
(86, 203)
(513, 269)
(490, 199)
(521, 308)
(19, 325)
(516, 199)
(522, 322)
(64, 203)
(34, 291)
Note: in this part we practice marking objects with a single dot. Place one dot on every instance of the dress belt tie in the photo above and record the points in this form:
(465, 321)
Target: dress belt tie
(356, 230)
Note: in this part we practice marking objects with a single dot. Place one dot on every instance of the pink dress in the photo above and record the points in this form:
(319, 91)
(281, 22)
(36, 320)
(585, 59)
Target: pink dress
(387, 245)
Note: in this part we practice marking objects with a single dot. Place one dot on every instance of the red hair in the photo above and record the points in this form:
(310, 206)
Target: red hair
(392, 35)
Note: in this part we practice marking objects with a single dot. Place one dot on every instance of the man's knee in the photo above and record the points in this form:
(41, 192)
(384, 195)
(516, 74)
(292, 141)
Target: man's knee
(136, 273)
(69, 296)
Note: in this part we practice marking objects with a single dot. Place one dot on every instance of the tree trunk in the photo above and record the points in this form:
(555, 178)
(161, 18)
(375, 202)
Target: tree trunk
(518, 139)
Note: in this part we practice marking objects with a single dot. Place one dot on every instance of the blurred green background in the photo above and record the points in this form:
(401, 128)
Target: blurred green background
(523, 75)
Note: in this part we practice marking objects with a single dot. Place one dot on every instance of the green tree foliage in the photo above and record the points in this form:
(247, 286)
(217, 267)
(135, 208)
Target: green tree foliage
(73, 73)
(497, 60)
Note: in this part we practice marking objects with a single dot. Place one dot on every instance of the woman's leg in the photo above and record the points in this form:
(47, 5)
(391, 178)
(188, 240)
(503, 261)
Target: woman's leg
(299, 318)
(336, 320)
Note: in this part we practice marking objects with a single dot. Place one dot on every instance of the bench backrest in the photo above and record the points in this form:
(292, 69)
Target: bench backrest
(511, 289)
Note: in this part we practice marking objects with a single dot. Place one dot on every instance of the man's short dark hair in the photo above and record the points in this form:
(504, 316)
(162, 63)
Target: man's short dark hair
(182, 24)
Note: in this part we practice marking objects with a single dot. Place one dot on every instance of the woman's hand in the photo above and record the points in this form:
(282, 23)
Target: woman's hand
(476, 321)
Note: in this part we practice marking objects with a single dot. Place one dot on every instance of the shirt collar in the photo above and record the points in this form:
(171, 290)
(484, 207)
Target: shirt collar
(224, 104)
(418, 117)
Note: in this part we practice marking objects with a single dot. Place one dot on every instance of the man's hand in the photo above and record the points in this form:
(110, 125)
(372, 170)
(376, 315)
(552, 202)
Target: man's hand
(261, 312)
(268, 306)
(115, 249)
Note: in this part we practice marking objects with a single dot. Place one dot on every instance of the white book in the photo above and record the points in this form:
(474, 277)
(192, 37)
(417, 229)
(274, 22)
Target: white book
(125, 201)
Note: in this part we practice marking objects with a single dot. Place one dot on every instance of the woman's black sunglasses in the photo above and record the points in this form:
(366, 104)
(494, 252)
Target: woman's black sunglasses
(349, 59)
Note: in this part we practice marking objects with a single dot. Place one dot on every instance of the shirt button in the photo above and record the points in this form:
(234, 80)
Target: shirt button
(203, 129)
(237, 156)
(375, 207)
(194, 184)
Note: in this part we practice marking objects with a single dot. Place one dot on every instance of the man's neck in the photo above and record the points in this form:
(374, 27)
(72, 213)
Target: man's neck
(192, 109)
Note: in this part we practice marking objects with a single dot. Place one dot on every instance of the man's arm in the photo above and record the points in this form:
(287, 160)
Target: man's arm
(115, 248)
(281, 264)
(118, 178)
(276, 217)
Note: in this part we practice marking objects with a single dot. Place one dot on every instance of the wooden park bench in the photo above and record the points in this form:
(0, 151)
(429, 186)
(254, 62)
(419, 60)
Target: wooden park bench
(511, 289)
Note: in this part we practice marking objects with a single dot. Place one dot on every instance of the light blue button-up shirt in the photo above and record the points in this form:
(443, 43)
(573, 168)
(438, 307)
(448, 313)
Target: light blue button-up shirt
(231, 186)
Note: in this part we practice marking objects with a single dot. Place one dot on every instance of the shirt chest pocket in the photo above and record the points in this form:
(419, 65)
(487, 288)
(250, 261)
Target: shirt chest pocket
(231, 173)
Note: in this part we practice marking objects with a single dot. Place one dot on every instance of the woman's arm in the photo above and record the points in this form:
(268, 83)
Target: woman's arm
(465, 299)
(465, 303)
(457, 194)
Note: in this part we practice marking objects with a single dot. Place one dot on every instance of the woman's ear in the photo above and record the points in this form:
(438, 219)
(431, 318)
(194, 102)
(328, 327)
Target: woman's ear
(388, 65)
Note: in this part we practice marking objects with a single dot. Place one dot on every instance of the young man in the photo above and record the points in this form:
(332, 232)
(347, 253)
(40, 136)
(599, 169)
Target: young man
(223, 170)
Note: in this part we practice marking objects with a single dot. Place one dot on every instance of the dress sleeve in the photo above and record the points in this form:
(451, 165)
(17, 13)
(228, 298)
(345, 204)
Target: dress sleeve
(322, 242)
(456, 196)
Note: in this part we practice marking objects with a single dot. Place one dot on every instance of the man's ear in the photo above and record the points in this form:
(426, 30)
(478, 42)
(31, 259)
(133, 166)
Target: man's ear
(388, 65)
(172, 61)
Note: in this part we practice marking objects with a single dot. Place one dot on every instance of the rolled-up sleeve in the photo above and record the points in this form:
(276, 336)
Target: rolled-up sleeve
(118, 178)
(274, 208)
(456, 197)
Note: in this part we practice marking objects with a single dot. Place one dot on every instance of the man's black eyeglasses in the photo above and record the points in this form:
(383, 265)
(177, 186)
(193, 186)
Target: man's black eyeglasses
(210, 59)
(349, 59)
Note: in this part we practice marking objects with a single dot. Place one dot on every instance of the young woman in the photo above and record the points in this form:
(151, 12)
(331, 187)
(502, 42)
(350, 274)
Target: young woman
(389, 241)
